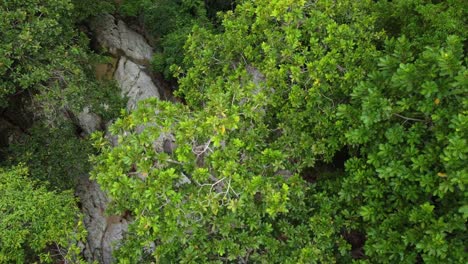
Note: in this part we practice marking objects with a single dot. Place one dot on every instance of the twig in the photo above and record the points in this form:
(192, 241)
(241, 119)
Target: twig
(409, 118)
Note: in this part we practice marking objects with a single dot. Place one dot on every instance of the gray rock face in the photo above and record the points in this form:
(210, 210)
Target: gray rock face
(134, 83)
(132, 52)
(104, 231)
(118, 38)
(89, 121)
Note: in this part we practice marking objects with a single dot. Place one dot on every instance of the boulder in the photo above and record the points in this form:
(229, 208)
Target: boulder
(114, 35)
(134, 82)
(89, 121)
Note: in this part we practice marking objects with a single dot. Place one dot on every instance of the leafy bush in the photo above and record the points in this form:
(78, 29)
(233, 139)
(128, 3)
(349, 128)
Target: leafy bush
(42, 54)
(408, 120)
(172, 51)
(33, 38)
(409, 183)
(34, 223)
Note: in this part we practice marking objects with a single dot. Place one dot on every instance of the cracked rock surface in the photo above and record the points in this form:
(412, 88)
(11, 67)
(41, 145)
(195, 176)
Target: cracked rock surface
(134, 82)
(118, 38)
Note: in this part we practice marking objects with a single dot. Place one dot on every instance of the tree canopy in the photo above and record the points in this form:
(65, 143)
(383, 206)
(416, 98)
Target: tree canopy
(313, 132)
(304, 132)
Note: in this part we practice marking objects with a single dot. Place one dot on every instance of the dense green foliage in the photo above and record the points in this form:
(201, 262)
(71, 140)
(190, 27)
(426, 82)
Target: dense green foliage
(54, 155)
(35, 224)
(311, 131)
(287, 88)
(45, 62)
(408, 121)
(410, 126)
(41, 52)
(84, 9)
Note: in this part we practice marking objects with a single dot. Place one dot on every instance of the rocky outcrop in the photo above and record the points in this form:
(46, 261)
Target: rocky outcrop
(119, 39)
(104, 231)
(133, 54)
(134, 82)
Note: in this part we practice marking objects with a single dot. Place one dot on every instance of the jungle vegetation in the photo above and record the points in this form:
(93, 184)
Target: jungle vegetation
(307, 131)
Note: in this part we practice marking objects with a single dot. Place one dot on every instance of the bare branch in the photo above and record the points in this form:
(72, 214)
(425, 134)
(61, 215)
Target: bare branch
(410, 118)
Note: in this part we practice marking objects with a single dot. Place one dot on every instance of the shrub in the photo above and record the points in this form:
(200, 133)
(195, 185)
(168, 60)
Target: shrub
(35, 224)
